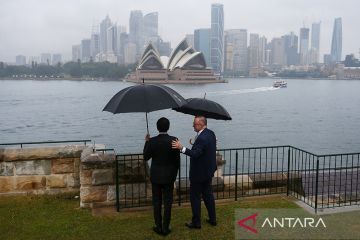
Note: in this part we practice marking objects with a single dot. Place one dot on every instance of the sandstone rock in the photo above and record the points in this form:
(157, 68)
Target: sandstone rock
(111, 193)
(21, 154)
(65, 165)
(36, 167)
(56, 181)
(6, 184)
(30, 182)
(86, 177)
(6, 169)
(93, 194)
(102, 176)
(72, 180)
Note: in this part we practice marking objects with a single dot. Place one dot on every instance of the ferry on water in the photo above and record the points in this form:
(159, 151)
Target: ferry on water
(280, 84)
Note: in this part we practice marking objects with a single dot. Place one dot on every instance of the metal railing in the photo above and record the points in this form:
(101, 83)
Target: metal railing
(21, 144)
(321, 181)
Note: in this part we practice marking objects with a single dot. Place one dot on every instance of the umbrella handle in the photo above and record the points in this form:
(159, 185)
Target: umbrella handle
(147, 124)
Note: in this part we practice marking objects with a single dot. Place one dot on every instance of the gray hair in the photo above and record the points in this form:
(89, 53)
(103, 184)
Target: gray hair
(203, 119)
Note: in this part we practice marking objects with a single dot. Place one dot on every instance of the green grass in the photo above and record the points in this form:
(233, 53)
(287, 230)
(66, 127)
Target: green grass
(59, 217)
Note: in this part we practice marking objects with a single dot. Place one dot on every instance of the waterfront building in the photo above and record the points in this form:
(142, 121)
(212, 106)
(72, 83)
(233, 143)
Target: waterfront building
(278, 56)
(151, 26)
(336, 43)
(136, 33)
(95, 45)
(56, 58)
(262, 50)
(315, 43)
(20, 60)
(184, 65)
(130, 53)
(85, 50)
(104, 26)
(304, 46)
(46, 58)
(202, 42)
(76, 53)
(238, 39)
(217, 38)
(291, 49)
(190, 39)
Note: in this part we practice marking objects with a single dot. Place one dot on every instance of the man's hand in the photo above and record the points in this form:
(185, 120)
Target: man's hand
(176, 144)
(147, 137)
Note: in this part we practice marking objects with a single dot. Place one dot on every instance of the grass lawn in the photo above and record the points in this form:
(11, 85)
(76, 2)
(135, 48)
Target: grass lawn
(59, 217)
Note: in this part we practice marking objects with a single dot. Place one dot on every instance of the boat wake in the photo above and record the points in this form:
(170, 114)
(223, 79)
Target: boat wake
(242, 91)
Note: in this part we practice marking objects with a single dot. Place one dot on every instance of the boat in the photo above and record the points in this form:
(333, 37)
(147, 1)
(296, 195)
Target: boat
(280, 84)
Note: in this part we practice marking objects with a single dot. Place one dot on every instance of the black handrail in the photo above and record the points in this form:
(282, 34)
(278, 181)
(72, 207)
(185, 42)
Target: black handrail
(44, 142)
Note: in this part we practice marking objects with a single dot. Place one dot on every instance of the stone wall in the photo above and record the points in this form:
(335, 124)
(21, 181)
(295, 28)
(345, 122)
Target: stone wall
(97, 179)
(45, 170)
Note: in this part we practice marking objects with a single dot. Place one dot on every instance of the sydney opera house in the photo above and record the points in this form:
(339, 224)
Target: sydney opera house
(185, 65)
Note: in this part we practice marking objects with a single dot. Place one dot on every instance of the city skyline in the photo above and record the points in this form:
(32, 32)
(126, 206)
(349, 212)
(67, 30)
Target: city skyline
(173, 31)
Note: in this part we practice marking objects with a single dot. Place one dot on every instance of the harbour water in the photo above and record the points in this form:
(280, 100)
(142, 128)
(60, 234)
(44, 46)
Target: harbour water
(321, 116)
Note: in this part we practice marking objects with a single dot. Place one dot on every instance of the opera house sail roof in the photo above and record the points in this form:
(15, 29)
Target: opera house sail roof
(180, 66)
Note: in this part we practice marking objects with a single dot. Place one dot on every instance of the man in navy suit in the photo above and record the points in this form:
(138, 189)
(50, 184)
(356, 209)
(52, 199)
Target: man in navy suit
(202, 169)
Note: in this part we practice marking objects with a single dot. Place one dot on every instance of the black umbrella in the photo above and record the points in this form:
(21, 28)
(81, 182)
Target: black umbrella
(144, 98)
(204, 107)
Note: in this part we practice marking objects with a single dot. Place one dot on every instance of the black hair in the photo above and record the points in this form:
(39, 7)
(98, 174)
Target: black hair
(163, 124)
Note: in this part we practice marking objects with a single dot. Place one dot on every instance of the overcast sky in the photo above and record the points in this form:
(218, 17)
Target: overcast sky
(32, 27)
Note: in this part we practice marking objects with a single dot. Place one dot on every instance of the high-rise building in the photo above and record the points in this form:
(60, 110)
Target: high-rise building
(190, 39)
(136, 34)
(336, 43)
(104, 25)
(33, 60)
(46, 58)
(304, 46)
(56, 58)
(20, 60)
(151, 26)
(85, 50)
(291, 48)
(123, 42)
(112, 39)
(130, 53)
(238, 39)
(164, 48)
(315, 43)
(262, 50)
(278, 56)
(95, 45)
(202, 42)
(76, 53)
(254, 46)
(217, 38)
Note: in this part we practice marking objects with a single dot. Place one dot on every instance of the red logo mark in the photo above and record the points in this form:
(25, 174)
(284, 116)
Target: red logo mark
(251, 217)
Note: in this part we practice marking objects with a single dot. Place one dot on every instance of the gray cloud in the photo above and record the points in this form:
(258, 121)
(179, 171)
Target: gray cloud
(32, 27)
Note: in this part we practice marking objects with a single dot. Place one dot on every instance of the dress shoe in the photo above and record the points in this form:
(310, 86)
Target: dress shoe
(166, 231)
(158, 230)
(191, 225)
(212, 223)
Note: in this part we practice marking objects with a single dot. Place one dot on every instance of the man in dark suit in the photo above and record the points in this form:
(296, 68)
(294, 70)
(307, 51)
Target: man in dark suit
(163, 171)
(202, 169)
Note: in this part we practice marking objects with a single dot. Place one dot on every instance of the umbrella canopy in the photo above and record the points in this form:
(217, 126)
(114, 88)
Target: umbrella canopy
(144, 98)
(204, 107)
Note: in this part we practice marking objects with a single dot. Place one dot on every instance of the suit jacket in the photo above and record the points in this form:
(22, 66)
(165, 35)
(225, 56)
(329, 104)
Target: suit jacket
(165, 161)
(203, 156)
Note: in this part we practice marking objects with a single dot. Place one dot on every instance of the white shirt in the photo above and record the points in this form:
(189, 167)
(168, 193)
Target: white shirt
(197, 135)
